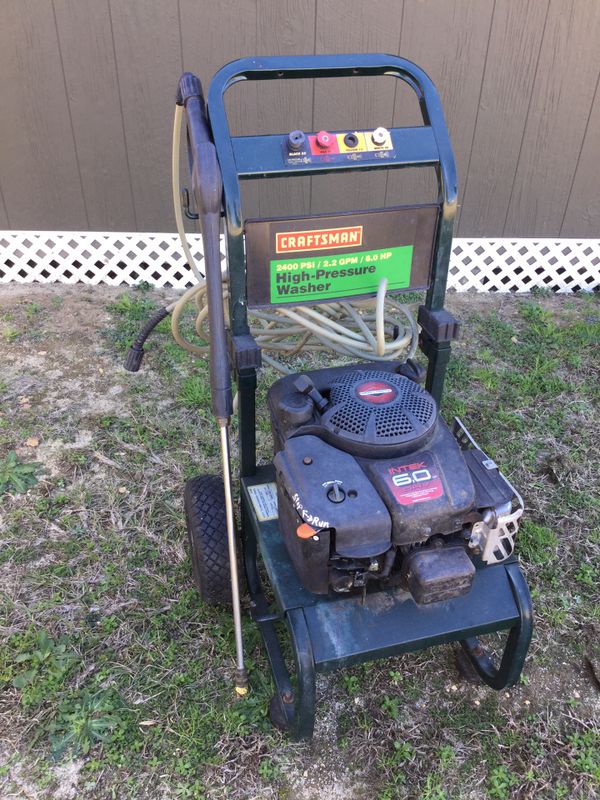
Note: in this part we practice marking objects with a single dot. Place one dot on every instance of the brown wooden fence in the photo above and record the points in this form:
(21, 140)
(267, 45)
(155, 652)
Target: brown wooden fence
(87, 90)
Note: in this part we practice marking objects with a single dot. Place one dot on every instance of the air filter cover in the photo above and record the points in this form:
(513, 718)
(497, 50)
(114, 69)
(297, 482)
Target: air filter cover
(372, 410)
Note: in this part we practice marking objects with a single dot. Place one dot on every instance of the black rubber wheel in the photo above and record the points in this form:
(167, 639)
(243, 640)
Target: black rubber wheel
(204, 500)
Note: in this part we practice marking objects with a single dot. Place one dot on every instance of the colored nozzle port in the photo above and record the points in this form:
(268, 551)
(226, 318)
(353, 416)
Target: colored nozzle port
(324, 139)
(350, 140)
(379, 136)
(296, 140)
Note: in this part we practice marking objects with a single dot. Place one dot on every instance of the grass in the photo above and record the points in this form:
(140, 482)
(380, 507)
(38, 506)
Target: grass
(116, 681)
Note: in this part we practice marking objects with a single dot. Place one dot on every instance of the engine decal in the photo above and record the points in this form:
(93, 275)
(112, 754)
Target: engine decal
(264, 500)
(415, 481)
(376, 392)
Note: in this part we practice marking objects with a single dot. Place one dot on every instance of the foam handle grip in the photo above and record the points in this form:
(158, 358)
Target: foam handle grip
(189, 86)
(207, 187)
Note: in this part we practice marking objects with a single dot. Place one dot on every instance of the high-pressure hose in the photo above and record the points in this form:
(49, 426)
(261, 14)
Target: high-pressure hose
(344, 327)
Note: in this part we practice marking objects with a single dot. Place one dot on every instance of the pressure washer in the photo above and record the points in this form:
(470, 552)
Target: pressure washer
(379, 528)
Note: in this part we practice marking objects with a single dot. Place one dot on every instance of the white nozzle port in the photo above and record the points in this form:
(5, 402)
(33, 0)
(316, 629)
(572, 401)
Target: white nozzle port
(380, 136)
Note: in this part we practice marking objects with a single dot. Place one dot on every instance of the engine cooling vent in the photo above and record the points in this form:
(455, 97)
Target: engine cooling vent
(372, 408)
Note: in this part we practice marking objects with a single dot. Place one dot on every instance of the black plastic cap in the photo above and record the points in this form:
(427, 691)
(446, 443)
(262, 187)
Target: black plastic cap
(134, 359)
(189, 86)
(439, 326)
(245, 352)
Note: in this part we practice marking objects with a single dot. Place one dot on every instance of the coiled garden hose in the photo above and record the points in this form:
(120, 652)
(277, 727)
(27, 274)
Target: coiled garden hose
(363, 329)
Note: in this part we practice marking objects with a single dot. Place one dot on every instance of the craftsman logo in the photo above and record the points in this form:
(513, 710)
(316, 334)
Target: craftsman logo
(415, 481)
(376, 392)
(326, 239)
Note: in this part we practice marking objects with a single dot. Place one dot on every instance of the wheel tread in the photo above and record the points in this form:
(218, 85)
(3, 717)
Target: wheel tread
(204, 500)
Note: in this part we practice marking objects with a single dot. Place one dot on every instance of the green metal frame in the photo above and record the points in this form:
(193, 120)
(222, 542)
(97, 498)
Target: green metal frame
(331, 632)
(256, 157)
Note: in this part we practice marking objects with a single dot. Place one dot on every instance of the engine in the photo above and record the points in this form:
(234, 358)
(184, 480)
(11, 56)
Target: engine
(374, 488)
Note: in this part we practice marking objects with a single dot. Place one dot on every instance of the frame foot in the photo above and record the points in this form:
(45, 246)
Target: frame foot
(519, 637)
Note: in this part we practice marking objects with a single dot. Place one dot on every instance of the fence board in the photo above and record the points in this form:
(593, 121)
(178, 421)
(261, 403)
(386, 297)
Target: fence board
(509, 74)
(582, 215)
(561, 101)
(342, 103)
(4, 221)
(85, 37)
(449, 40)
(38, 169)
(285, 27)
(87, 101)
(213, 34)
(148, 55)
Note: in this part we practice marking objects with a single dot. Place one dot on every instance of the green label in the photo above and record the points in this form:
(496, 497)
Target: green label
(340, 275)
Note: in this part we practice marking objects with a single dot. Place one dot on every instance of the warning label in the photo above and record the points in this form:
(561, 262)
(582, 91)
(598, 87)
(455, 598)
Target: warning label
(264, 500)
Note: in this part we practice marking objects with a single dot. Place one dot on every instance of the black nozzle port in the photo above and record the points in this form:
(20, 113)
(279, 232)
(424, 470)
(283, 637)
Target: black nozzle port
(350, 140)
(296, 140)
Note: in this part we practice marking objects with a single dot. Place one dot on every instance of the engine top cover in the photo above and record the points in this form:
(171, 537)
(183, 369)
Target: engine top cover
(370, 409)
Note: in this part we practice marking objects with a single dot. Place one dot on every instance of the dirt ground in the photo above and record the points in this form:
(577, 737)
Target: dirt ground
(115, 681)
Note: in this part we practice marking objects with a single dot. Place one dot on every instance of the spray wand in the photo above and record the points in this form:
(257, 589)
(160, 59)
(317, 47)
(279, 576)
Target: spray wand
(207, 188)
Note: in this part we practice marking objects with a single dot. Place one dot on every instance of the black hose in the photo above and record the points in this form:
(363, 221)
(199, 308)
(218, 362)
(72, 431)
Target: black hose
(136, 352)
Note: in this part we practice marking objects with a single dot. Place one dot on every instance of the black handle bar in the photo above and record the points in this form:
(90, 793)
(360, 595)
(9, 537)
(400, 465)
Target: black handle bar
(207, 187)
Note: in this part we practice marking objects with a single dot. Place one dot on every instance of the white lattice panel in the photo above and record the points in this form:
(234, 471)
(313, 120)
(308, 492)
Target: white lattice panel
(518, 265)
(110, 258)
(116, 259)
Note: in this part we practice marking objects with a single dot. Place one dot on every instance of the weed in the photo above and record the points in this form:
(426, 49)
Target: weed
(351, 684)
(85, 720)
(447, 756)
(586, 753)
(268, 770)
(47, 664)
(403, 751)
(390, 706)
(587, 574)
(433, 789)
(17, 476)
(500, 782)
(9, 334)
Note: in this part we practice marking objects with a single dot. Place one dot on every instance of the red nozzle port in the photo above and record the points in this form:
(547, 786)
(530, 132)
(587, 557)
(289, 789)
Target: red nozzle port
(324, 139)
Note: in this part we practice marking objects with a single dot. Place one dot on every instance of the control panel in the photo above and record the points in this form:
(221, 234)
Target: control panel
(305, 148)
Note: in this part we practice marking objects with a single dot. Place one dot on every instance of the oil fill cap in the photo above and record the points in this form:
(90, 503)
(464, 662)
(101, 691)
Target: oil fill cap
(324, 139)
(379, 136)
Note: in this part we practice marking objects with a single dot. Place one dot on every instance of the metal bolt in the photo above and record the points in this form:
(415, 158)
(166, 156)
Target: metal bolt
(307, 460)
(287, 697)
